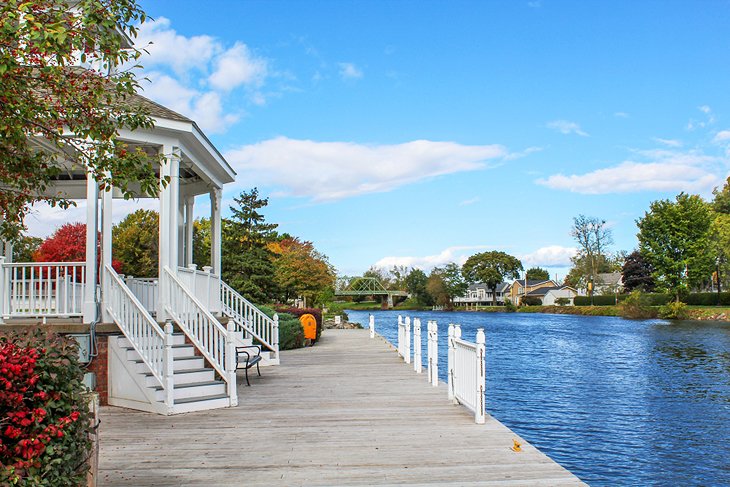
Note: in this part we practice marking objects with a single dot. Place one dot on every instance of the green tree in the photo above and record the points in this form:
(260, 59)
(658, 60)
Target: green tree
(436, 288)
(24, 247)
(46, 100)
(201, 242)
(721, 200)
(673, 239)
(491, 268)
(246, 259)
(135, 242)
(593, 238)
(415, 284)
(445, 283)
(537, 274)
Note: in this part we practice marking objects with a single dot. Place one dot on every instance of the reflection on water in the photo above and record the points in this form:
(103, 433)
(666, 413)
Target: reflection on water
(617, 402)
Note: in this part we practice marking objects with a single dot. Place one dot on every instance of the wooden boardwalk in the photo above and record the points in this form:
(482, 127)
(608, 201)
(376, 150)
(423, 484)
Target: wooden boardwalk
(345, 412)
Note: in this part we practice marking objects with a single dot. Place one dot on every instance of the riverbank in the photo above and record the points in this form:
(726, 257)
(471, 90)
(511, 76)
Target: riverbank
(699, 313)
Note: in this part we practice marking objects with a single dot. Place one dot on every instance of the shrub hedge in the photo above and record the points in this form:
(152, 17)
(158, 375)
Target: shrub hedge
(707, 299)
(654, 299)
(44, 415)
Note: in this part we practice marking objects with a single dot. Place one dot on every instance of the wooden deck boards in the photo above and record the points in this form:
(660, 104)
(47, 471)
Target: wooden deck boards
(345, 412)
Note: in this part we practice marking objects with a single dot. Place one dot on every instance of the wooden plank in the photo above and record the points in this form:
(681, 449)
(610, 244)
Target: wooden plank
(347, 411)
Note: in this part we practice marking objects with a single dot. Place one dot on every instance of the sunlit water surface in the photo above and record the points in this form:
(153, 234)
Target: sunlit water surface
(616, 402)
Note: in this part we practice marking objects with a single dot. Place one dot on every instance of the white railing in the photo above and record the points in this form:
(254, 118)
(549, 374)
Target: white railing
(42, 289)
(433, 353)
(401, 337)
(203, 284)
(372, 326)
(146, 290)
(203, 329)
(249, 319)
(142, 331)
(466, 371)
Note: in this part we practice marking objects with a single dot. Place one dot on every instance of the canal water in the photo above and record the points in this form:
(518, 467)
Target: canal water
(616, 402)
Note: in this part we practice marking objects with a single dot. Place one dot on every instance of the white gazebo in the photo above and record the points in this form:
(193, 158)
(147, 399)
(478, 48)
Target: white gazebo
(162, 320)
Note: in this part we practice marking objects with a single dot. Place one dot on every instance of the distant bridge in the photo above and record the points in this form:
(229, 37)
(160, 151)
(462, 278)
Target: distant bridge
(369, 286)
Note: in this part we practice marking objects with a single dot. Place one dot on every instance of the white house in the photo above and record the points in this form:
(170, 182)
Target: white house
(549, 295)
(481, 295)
(156, 344)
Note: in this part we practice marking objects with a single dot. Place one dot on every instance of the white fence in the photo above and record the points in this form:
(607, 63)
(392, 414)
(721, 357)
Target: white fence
(251, 320)
(146, 290)
(466, 371)
(42, 289)
(466, 361)
(204, 285)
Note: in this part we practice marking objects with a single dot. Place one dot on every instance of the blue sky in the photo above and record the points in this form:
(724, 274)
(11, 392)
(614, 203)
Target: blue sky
(418, 132)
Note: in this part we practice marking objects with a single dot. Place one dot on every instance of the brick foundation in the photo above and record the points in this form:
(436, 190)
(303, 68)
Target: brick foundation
(100, 367)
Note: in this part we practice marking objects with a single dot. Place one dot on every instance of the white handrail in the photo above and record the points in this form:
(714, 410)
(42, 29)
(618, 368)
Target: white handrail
(203, 329)
(466, 370)
(433, 353)
(40, 289)
(249, 319)
(142, 331)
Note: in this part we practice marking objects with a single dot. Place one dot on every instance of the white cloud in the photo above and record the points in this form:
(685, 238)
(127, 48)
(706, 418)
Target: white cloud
(166, 47)
(566, 127)
(621, 115)
(721, 136)
(550, 256)
(428, 262)
(705, 109)
(519, 155)
(199, 76)
(665, 170)
(335, 170)
(238, 66)
(350, 71)
(534, 4)
(709, 119)
(470, 201)
(668, 142)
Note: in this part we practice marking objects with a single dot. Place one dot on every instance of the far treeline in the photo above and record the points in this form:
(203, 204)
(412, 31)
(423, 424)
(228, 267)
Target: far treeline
(684, 247)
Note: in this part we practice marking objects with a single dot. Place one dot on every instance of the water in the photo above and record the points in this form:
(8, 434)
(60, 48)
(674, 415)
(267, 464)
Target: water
(616, 402)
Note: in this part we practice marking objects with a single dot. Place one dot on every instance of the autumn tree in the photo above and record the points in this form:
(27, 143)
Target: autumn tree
(537, 274)
(68, 244)
(491, 268)
(674, 237)
(135, 242)
(637, 273)
(301, 270)
(445, 283)
(24, 247)
(52, 109)
(247, 261)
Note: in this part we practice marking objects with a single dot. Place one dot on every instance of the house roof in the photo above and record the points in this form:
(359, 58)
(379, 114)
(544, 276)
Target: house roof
(544, 290)
(157, 110)
(609, 278)
(501, 287)
(533, 282)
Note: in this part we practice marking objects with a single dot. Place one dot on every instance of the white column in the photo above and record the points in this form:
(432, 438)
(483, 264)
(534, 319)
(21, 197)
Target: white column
(407, 350)
(8, 252)
(435, 344)
(372, 326)
(181, 230)
(417, 362)
(169, 196)
(92, 243)
(231, 364)
(4, 291)
(189, 218)
(106, 244)
(480, 410)
(169, 380)
(450, 362)
(216, 199)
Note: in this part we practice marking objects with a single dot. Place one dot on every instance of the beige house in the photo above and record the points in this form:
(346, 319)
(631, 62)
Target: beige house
(519, 288)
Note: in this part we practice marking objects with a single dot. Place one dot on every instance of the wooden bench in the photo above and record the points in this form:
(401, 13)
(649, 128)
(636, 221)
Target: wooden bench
(246, 359)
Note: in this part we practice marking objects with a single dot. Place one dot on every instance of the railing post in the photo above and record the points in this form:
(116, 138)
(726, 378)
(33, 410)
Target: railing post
(400, 335)
(169, 369)
(407, 350)
(435, 371)
(4, 291)
(372, 326)
(480, 409)
(429, 349)
(231, 364)
(275, 337)
(417, 362)
(450, 362)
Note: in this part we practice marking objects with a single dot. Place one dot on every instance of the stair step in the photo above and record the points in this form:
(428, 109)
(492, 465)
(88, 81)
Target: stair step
(193, 389)
(179, 364)
(201, 398)
(187, 376)
(177, 339)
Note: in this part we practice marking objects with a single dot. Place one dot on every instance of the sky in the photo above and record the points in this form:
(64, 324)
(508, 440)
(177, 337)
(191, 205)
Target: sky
(421, 132)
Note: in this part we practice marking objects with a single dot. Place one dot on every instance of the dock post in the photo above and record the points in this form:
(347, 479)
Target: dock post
(400, 335)
(480, 410)
(429, 349)
(230, 364)
(435, 371)
(417, 365)
(450, 362)
(407, 356)
(372, 326)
